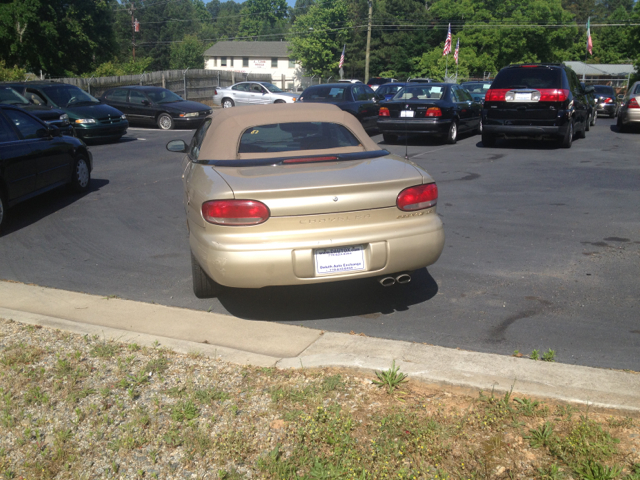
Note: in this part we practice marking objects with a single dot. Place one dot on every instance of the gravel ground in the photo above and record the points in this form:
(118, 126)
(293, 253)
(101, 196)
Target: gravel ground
(76, 406)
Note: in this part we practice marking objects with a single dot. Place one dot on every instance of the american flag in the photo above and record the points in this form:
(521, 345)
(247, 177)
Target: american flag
(136, 26)
(455, 55)
(447, 44)
(342, 57)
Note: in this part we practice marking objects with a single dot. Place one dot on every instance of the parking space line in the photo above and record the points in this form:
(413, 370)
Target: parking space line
(430, 151)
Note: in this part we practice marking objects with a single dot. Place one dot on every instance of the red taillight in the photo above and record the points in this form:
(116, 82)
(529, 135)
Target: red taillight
(553, 94)
(235, 212)
(384, 112)
(418, 197)
(433, 112)
(608, 100)
(495, 94)
(633, 103)
(215, 92)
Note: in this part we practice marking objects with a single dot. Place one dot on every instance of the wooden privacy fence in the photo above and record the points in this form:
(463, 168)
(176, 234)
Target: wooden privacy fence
(197, 85)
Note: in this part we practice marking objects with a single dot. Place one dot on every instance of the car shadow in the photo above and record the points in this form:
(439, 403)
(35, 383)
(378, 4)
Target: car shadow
(524, 144)
(423, 140)
(628, 129)
(35, 209)
(328, 300)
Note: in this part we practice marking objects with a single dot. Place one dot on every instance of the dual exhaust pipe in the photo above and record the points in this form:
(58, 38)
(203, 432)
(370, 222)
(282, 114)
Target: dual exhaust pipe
(401, 278)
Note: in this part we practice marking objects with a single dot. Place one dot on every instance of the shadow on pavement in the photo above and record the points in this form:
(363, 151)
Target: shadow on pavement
(328, 300)
(41, 206)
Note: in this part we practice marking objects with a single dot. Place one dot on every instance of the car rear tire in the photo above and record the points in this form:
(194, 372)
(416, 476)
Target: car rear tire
(567, 140)
(594, 117)
(583, 133)
(203, 285)
(165, 122)
(389, 138)
(620, 125)
(587, 124)
(227, 103)
(81, 174)
(488, 140)
(452, 134)
(479, 129)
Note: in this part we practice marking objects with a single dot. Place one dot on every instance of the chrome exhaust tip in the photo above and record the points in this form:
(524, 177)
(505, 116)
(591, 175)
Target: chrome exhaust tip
(387, 281)
(403, 278)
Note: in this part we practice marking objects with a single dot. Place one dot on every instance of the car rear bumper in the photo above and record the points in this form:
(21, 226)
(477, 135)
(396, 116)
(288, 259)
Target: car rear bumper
(429, 126)
(416, 244)
(524, 130)
(629, 115)
(609, 109)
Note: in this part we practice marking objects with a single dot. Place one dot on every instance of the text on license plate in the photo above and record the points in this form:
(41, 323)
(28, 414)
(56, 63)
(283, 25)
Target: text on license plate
(339, 259)
(523, 97)
(406, 113)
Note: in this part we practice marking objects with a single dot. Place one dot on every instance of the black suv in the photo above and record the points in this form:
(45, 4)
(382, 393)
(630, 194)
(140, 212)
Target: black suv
(535, 101)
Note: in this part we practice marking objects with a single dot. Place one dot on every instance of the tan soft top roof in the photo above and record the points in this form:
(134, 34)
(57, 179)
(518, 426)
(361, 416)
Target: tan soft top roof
(227, 125)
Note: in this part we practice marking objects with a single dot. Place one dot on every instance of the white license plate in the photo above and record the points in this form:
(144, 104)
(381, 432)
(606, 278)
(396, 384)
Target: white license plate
(523, 97)
(339, 259)
(407, 113)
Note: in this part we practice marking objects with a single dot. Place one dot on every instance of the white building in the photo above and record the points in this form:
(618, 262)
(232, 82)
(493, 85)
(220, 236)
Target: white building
(256, 57)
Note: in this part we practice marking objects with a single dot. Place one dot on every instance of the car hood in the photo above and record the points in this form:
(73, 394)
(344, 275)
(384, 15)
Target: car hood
(332, 187)
(43, 112)
(99, 110)
(285, 94)
(185, 106)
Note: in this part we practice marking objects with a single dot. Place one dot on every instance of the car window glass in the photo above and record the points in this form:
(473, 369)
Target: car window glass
(162, 95)
(27, 126)
(34, 97)
(464, 95)
(421, 92)
(256, 88)
(535, 77)
(603, 89)
(241, 87)
(119, 95)
(637, 89)
(9, 96)
(455, 95)
(68, 95)
(136, 98)
(360, 94)
(198, 137)
(369, 91)
(325, 94)
(6, 132)
(286, 137)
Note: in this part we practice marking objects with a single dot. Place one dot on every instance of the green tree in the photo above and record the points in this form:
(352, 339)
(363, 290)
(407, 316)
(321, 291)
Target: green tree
(60, 37)
(187, 54)
(262, 17)
(318, 37)
(11, 74)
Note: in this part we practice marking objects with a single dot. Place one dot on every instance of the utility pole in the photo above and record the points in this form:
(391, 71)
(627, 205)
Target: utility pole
(134, 28)
(366, 60)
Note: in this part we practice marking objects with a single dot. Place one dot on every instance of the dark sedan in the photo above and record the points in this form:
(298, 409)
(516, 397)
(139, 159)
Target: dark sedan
(91, 119)
(439, 109)
(36, 157)
(607, 101)
(48, 114)
(147, 106)
(356, 98)
(389, 90)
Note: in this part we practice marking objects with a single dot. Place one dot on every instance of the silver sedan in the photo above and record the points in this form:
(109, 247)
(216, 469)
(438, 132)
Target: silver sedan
(251, 93)
(630, 110)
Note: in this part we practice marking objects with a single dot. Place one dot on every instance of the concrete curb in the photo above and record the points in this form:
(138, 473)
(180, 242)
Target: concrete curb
(267, 344)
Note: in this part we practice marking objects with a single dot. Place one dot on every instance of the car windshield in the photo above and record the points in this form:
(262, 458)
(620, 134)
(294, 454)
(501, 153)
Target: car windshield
(477, 87)
(68, 96)
(604, 89)
(287, 137)
(9, 96)
(528, 77)
(162, 95)
(271, 87)
(421, 92)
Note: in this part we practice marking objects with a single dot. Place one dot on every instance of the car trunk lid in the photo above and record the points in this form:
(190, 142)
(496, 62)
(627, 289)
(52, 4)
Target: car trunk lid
(330, 187)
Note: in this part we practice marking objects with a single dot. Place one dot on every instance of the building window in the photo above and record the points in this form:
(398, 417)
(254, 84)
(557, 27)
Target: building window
(231, 61)
(245, 62)
(292, 63)
(274, 63)
(215, 61)
(223, 61)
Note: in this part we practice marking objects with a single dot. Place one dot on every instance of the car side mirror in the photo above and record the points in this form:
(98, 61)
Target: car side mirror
(177, 146)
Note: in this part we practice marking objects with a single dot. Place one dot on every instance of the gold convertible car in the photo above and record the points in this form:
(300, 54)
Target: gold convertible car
(295, 194)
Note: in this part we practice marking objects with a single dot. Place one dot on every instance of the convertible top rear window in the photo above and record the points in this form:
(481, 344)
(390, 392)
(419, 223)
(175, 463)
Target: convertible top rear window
(287, 137)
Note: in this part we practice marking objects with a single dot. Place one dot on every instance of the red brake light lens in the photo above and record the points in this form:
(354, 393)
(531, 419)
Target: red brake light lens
(384, 112)
(608, 100)
(495, 94)
(633, 103)
(433, 112)
(553, 94)
(418, 197)
(235, 212)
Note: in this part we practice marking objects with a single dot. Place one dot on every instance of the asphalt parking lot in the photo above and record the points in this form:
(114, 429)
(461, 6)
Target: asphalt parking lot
(542, 249)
